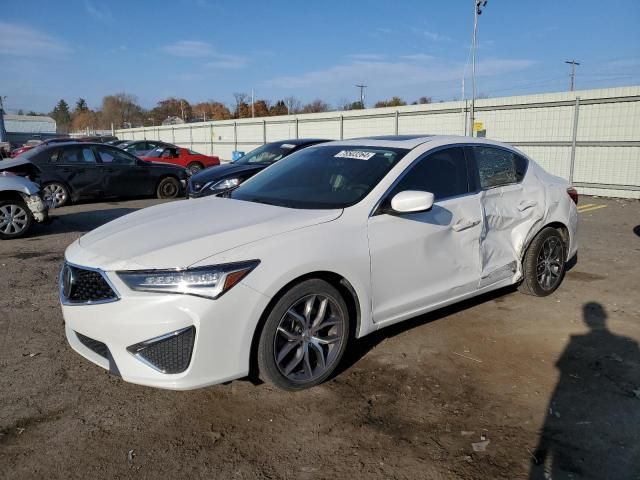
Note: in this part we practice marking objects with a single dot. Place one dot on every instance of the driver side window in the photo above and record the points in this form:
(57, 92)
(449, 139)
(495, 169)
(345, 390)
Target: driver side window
(443, 173)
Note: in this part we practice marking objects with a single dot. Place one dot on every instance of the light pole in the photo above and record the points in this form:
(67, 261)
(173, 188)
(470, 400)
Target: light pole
(478, 5)
(572, 75)
(361, 87)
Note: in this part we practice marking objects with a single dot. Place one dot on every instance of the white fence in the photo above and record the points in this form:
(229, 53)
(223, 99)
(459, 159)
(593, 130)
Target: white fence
(590, 137)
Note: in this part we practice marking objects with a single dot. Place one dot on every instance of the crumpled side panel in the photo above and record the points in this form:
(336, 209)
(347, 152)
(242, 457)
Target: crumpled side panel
(510, 213)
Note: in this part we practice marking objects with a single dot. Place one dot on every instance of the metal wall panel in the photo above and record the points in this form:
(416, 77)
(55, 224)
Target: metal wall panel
(603, 146)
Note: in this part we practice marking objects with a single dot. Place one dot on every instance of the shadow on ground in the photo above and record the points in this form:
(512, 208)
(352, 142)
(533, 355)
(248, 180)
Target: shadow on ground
(592, 425)
(80, 222)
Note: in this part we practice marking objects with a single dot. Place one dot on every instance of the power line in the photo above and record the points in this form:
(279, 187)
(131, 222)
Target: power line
(572, 75)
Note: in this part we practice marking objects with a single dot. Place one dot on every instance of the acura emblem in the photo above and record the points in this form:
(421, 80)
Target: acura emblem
(67, 281)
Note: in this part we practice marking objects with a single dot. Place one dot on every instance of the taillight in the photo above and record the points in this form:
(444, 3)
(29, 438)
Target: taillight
(573, 193)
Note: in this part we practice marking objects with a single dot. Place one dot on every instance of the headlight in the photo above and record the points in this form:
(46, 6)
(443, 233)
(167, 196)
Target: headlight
(208, 282)
(225, 184)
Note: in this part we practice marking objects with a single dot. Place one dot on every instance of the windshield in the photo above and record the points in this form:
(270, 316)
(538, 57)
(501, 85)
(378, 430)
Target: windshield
(266, 154)
(323, 177)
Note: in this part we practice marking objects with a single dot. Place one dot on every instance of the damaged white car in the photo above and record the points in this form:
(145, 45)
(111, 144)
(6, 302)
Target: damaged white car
(334, 242)
(20, 205)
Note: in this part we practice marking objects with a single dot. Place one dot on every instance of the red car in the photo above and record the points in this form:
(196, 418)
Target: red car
(192, 161)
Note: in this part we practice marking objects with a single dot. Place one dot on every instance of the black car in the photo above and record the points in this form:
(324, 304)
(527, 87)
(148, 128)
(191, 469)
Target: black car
(220, 179)
(140, 147)
(74, 171)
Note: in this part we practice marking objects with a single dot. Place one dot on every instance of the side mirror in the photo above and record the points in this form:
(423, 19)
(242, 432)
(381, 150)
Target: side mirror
(412, 201)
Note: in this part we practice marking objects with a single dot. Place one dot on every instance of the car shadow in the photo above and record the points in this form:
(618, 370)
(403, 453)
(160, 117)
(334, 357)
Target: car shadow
(636, 230)
(591, 429)
(359, 348)
(80, 222)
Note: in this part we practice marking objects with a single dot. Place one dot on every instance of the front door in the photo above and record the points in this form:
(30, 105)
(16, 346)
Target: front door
(420, 260)
(123, 174)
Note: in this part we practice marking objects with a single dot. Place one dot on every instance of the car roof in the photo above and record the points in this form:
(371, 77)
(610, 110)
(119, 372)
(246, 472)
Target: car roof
(412, 141)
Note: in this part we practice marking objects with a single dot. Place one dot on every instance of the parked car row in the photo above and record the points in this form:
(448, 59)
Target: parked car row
(73, 171)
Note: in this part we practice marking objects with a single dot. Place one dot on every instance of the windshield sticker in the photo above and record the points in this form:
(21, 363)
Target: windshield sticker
(356, 154)
(287, 145)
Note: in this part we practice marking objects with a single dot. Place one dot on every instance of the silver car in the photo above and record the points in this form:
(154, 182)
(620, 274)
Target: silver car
(20, 205)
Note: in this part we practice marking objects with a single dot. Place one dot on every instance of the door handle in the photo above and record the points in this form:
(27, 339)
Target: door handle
(525, 204)
(464, 224)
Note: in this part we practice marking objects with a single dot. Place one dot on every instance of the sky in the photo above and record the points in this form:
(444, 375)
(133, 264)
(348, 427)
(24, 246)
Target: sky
(208, 49)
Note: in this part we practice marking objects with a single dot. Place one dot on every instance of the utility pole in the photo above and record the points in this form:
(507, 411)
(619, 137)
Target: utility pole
(478, 5)
(572, 75)
(253, 108)
(361, 87)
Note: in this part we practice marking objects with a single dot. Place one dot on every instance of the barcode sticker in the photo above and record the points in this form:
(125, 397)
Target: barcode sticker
(356, 154)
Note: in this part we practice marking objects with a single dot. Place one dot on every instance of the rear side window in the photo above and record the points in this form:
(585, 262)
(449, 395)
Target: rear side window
(443, 173)
(497, 167)
(75, 156)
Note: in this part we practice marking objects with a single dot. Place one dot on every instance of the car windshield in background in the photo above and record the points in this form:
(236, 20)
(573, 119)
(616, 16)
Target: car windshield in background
(266, 154)
(323, 177)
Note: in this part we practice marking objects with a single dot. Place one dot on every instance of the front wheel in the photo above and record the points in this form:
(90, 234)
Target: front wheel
(15, 219)
(168, 188)
(544, 264)
(304, 336)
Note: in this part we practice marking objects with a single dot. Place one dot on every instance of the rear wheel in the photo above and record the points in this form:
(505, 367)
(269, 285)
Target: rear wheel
(55, 194)
(304, 336)
(15, 219)
(168, 188)
(544, 264)
(194, 167)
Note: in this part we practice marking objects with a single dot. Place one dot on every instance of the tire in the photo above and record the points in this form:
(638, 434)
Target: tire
(544, 264)
(168, 187)
(293, 354)
(194, 167)
(15, 219)
(55, 194)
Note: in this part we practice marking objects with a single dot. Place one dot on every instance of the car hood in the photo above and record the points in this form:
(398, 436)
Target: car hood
(179, 234)
(223, 171)
(15, 162)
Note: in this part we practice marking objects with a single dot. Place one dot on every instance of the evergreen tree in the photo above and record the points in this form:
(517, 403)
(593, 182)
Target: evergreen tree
(62, 116)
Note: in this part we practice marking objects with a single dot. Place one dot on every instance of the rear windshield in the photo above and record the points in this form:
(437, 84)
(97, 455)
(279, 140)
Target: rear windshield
(322, 177)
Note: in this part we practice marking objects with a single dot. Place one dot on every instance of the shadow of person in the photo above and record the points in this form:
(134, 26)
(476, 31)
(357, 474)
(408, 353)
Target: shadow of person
(592, 427)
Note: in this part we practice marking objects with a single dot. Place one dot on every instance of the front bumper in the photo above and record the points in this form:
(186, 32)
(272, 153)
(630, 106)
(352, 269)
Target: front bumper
(37, 206)
(223, 331)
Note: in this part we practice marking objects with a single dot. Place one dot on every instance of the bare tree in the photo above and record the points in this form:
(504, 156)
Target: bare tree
(316, 106)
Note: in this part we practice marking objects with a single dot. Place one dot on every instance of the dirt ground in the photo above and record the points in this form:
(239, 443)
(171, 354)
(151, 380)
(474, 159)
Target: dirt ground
(551, 383)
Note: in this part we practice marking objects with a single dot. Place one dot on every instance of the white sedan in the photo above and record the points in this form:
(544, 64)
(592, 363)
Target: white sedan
(330, 244)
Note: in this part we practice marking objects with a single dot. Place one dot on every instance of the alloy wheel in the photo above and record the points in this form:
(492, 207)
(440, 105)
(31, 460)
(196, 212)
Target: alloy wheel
(13, 219)
(309, 338)
(54, 195)
(550, 263)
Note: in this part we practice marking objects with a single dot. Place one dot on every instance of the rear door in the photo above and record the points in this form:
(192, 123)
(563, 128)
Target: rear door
(422, 259)
(77, 165)
(511, 206)
(124, 174)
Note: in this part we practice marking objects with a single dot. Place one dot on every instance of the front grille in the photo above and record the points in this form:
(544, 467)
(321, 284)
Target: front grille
(94, 345)
(80, 285)
(170, 353)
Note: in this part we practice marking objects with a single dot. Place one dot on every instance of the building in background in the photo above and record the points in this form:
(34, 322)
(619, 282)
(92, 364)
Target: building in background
(20, 128)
